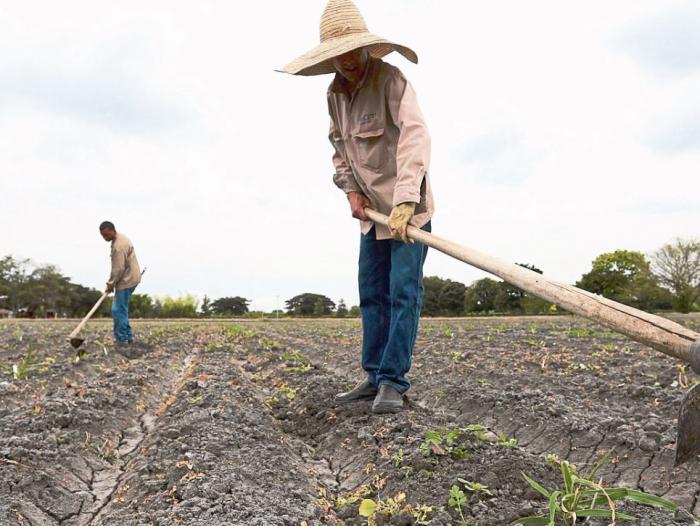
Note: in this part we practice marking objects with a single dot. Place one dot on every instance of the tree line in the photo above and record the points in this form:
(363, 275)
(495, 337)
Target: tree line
(667, 281)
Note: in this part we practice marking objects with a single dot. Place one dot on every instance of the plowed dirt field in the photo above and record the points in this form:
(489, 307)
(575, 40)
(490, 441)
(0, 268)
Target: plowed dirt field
(234, 423)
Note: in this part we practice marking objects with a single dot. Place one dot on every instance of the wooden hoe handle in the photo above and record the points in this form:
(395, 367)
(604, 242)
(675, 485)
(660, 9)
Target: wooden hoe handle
(660, 333)
(88, 316)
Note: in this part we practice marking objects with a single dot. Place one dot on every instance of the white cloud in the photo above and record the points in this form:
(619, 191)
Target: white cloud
(499, 157)
(548, 142)
(668, 42)
(676, 134)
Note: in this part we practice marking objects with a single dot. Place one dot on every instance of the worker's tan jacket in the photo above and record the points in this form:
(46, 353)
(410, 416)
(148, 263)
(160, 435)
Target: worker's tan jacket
(126, 272)
(382, 145)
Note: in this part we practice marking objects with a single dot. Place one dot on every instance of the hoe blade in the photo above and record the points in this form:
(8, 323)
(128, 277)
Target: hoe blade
(688, 442)
(76, 342)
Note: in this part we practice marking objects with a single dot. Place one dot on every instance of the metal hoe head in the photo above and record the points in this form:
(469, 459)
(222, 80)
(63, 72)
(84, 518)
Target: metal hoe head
(76, 342)
(688, 441)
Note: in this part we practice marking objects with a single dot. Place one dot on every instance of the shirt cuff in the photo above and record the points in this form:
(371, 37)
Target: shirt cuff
(405, 195)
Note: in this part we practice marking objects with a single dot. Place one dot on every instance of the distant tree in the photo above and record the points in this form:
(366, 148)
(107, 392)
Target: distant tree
(206, 306)
(431, 299)
(180, 307)
(510, 298)
(530, 266)
(481, 295)
(451, 298)
(141, 306)
(13, 276)
(355, 311)
(342, 309)
(624, 276)
(677, 266)
(82, 300)
(318, 308)
(308, 304)
(230, 306)
(443, 297)
(49, 291)
(42, 290)
(532, 305)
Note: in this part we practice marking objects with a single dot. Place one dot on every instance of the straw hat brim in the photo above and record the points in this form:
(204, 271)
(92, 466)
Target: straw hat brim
(319, 61)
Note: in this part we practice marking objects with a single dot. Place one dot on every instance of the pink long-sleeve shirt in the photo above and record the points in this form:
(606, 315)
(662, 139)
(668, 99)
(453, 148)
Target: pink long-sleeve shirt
(382, 145)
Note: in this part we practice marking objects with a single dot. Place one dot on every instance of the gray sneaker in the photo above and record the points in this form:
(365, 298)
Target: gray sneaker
(362, 391)
(129, 350)
(388, 400)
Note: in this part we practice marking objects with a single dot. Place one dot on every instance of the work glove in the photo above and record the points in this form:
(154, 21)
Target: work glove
(398, 221)
(110, 288)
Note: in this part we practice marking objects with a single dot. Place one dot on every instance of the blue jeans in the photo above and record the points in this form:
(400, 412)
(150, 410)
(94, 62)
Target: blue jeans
(391, 296)
(120, 315)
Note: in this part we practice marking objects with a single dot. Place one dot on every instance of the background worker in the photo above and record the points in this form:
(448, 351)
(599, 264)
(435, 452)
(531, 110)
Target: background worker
(123, 279)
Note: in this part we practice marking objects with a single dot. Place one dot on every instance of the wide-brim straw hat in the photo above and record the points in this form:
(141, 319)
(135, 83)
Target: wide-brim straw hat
(343, 29)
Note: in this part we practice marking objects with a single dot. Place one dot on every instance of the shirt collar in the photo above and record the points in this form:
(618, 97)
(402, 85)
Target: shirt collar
(340, 85)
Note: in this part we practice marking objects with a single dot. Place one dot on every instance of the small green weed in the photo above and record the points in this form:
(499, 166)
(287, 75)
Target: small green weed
(26, 365)
(581, 497)
(457, 500)
(440, 441)
(299, 362)
(541, 345)
(477, 430)
(239, 331)
(391, 507)
(269, 344)
(507, 442)
(578, 332)
(351, 498)
(477, 488)
(397, 458)
(290, 393)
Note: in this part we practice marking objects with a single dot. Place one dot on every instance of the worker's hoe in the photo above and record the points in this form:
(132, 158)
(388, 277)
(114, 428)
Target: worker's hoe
(73, 338)
(657, 332)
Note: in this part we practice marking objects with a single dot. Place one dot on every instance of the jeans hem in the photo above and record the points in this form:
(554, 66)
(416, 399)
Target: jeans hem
(402, 389)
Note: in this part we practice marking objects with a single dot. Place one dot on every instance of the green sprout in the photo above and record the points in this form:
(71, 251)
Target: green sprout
(476, 488)
(505, 441)
(582, 497)
(457, 500)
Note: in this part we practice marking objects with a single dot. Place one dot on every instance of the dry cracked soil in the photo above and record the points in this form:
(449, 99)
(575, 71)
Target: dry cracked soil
(234, 423)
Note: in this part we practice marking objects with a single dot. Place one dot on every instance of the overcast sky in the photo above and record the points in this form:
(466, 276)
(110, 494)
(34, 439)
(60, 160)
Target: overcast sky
(561, 130)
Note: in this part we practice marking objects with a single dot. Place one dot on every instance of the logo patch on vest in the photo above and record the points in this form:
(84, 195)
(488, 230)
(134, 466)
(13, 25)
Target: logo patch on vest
(367, 117)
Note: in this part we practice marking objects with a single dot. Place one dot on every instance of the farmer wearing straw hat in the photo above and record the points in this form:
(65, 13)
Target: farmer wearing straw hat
(381, 158)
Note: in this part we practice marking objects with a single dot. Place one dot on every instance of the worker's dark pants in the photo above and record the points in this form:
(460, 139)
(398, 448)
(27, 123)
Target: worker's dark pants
(120, 315)
(391, 296)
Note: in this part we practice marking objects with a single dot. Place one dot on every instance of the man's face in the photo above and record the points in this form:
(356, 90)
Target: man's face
(108, 234)
(352, 64)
